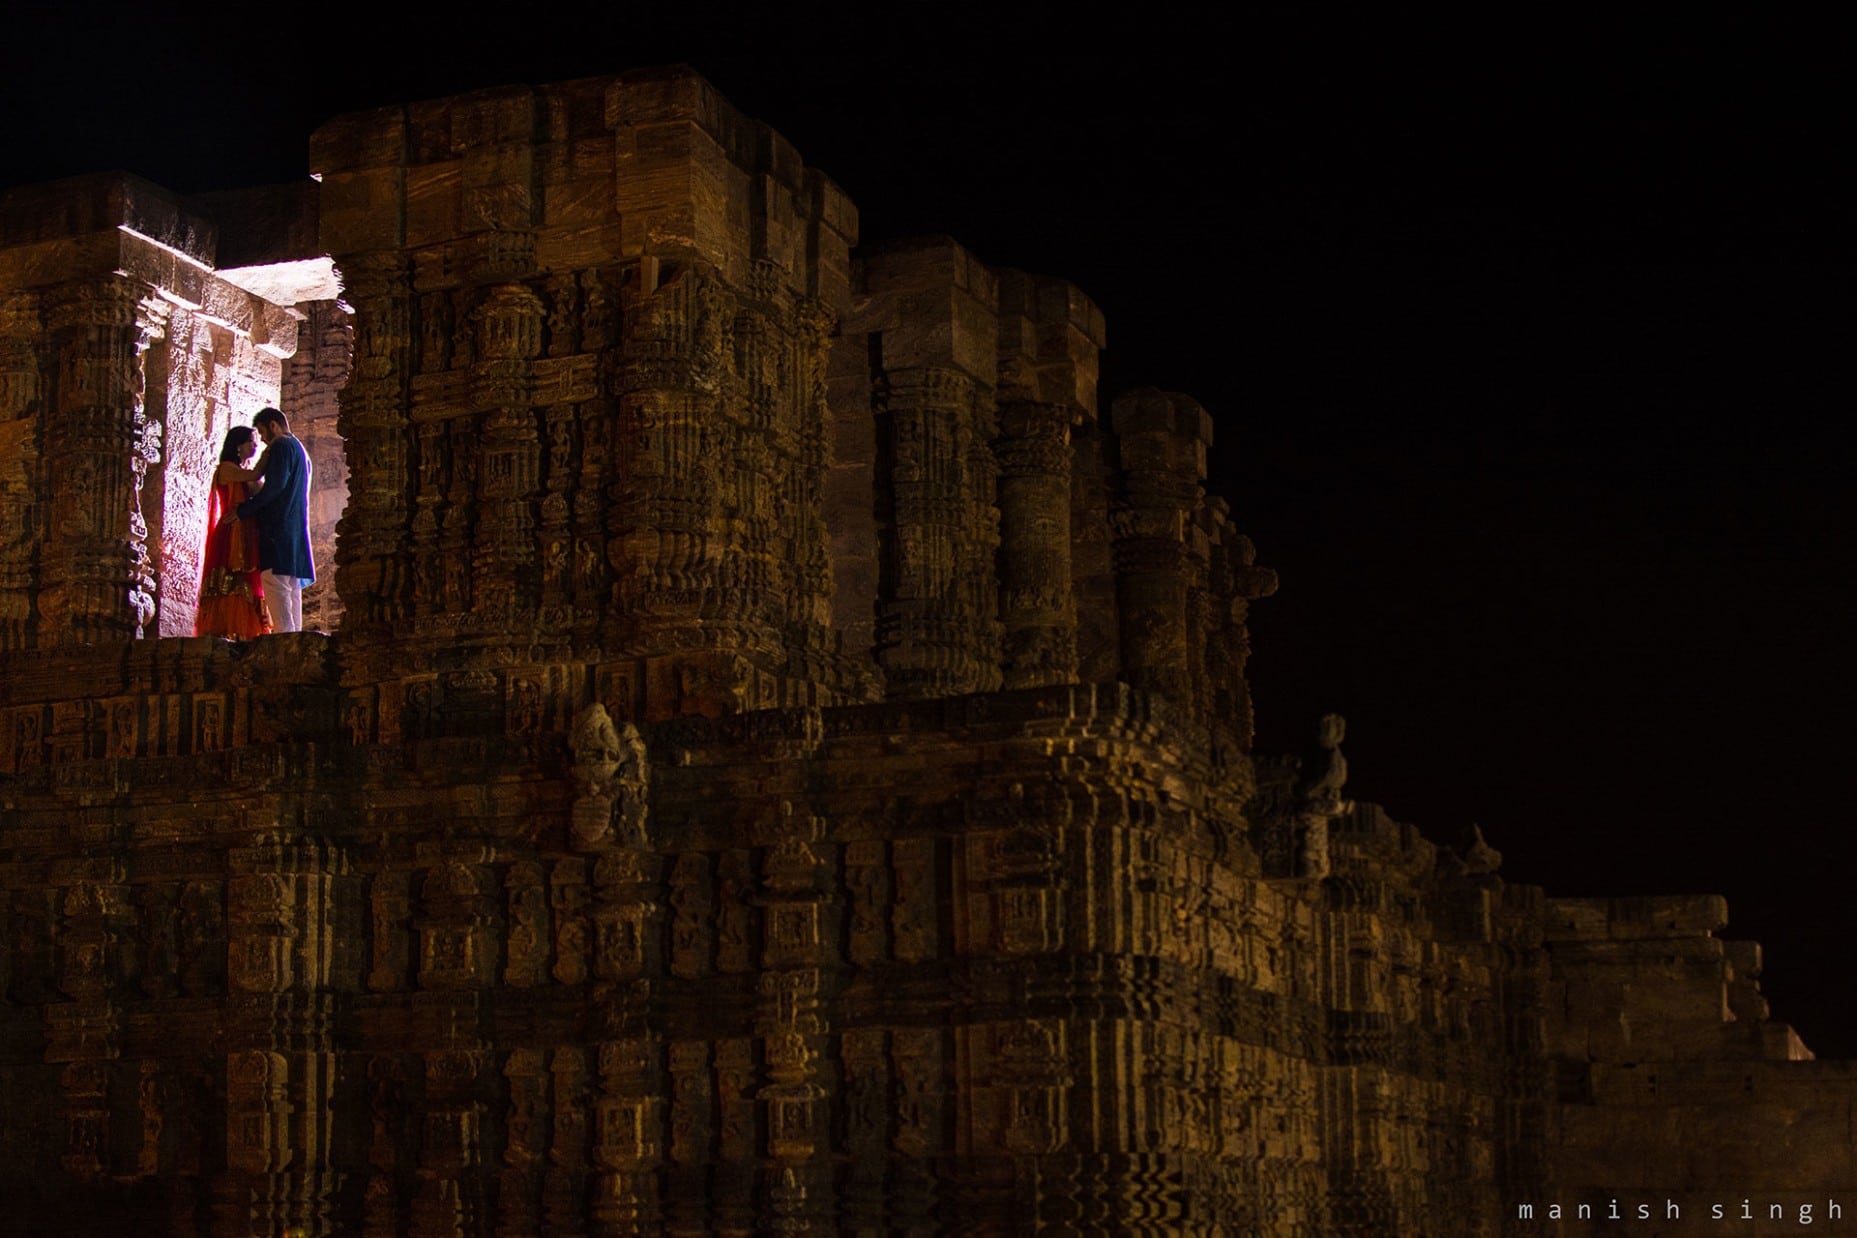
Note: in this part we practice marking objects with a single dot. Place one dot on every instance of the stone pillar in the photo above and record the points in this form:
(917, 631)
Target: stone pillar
(937, 634)
(851, 498)
(1222, 641)
(794, 1098)
(95, 584)
(628, 1137)
(372, 573)
(1160, 555)
(149, 426)
(1036, 608)
(931, 317)
(1050, 336)
(280, 1074)
(560, 452)
(362, 223)
(669, 540)
(564, 1182)
(592, 436)
(796, 499)
(22, 397)
(450, 1196)
(504, 562)
(629, 1113)
(84, 1033)
(190, 453)
(1092, 553)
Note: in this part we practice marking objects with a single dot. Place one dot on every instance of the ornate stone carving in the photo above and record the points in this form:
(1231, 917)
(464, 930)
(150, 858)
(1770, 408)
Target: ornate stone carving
(568, 885)
(527, 947)
(611, 777)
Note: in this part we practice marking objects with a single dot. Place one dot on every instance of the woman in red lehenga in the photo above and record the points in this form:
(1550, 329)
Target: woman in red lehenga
(231, 593)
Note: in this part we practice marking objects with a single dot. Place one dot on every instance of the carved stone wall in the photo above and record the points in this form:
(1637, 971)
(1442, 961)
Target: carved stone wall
(784, 766)
(312, 382)
(588, 413)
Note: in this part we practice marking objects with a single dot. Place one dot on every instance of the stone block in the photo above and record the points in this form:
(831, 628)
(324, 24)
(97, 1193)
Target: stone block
(1577, 919)
(581, 202)
(502, 207)
(1071, 318)
(273, 329)
(1744, 957)
(578, 248)
(679, 196)
(1668, 915)
(573, 111)
(832, 277)
(779, 236)
(592, 159)
(1780, 1043)
(15, 440)
(832, 207)
(428, 132)
(942, 304)
(1163, 416)
(359, 141)
(488, 120)
(915, 264)
(653, 97)
(363, 211)
(434, 203)
(115, 200)
(438, 266)
(263, 226)
(511, 163)
(44, 263)
(780, 161)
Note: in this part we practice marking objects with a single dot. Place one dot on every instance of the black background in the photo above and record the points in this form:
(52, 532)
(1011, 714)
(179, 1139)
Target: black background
(1527, 338)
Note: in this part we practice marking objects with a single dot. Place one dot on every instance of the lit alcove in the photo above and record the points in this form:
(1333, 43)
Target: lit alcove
(290, 348)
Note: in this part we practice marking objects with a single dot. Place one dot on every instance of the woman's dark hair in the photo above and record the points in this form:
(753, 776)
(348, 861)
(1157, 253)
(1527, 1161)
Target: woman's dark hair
(236, 438)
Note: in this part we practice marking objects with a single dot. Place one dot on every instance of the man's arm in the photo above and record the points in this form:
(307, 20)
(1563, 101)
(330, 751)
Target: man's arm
(279, 471)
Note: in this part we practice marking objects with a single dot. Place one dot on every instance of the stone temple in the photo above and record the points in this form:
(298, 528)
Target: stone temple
(776, 759)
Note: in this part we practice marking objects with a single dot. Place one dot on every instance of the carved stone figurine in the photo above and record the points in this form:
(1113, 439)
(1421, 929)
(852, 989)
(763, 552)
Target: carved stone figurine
(611, 780)
(1479, 858)
(1318, 794)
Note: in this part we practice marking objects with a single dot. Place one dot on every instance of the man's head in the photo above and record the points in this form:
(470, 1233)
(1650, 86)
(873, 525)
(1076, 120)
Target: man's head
(270, 424)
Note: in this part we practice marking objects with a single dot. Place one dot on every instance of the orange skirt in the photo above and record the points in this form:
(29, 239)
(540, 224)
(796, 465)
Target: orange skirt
(232, 605)
(231, 587)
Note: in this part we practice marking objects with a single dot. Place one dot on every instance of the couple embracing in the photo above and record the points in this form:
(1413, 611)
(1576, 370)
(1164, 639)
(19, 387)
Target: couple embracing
(257, 557)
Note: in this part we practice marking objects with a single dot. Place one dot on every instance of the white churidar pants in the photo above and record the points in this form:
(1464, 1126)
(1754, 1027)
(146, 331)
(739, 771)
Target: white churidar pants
(285, 595)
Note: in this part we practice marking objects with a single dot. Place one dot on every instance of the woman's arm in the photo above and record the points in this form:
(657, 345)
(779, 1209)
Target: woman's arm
(228, 472)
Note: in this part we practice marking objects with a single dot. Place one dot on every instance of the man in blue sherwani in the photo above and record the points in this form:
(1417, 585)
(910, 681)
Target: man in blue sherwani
(281, 509)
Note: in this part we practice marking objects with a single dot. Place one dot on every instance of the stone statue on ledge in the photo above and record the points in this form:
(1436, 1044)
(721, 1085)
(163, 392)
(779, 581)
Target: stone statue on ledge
(1318, 795)
(1478, 857)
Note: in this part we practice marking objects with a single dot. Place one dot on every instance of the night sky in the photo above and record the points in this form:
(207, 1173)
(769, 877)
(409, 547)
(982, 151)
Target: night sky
(1527, 346)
